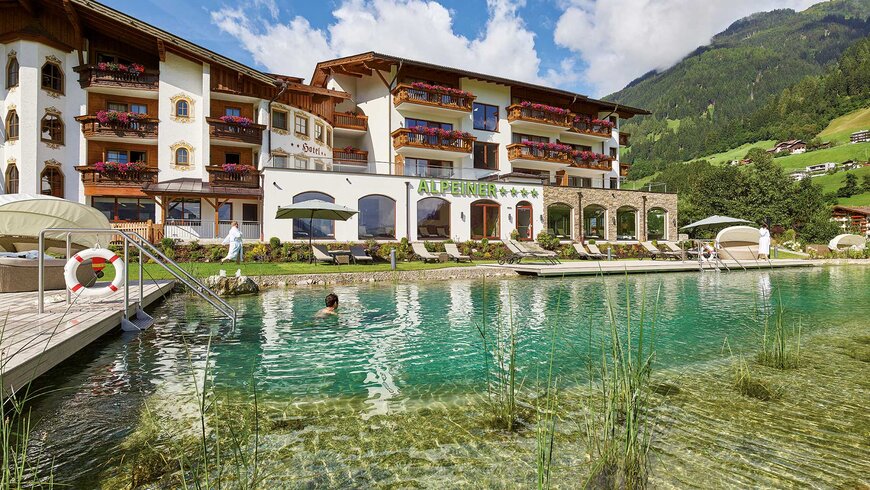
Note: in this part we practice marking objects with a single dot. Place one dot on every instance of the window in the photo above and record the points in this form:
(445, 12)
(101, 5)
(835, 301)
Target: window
(420, 167)
(594, 222)
(279, 161)
(613, 120)
(117, 156)
(614, 183)
(433, 218)
(225, 212)
(12, 72)
(655, 224)
(318, 132)
(125, 209)
(485, 220)
(182, 109)
(52, 129)
(111, 58)
(409, 122)
(12, 179)
(139, 108)
(300, 162)
(328, 137)
(486, 155)
(559, 221)
(12, 123)
(613, 153)
(525, 221)
(301, 125)
(182, 156)
(377, 218)
(52, 77)
(138, 156)
(626, 223)
(318, 228)
(185, 209)
(519, 138)
(249, 212)
(485, 117)
(579, 182)
(51, 181)
(279, 120)
(235, 158)
(233, 111)
(116, 106)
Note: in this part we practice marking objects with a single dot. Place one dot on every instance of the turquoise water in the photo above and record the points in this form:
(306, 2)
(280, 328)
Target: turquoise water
(397, 345)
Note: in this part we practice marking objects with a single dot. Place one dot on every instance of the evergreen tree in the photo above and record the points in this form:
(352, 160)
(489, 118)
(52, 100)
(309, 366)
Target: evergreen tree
(850, 186)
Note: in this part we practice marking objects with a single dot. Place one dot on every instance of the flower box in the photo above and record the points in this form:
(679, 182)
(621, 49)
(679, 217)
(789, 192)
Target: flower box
(237, 169)
(120, 168)
(442, 133)
(239, 120)
(441, 89)
(133, 68)
(544, 108)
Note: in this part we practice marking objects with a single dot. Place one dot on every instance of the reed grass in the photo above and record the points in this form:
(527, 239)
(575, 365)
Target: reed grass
(780, 344)
(618, 422)
(547, 407)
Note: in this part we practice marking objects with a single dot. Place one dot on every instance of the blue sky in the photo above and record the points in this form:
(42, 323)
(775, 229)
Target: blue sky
(589, 46)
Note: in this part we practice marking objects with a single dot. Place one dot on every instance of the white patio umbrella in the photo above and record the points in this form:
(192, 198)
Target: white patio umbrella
(315, 209)
(25, 215)
(714, 220)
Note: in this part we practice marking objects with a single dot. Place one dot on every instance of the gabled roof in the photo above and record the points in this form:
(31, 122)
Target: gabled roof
(362, 64)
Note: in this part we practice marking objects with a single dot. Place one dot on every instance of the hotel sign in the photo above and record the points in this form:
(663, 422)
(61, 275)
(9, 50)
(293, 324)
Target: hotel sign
(471, 189)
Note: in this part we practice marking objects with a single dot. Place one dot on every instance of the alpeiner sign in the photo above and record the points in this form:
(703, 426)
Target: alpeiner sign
(472, 189)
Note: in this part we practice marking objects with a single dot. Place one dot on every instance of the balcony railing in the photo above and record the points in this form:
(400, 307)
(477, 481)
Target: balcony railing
(351, 156)
(251, 133)
(403, 137)
(92, 76)
(603, 164)
(433, 98)
(623, 169)
(517, 112)
(346, 120)
(586, 127)
(218, 177)
(204, 229)
(142, 128)
(92, 177)
(519, 151)
(396, 168)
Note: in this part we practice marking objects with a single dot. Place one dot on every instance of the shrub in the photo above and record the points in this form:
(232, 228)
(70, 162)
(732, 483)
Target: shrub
(548, 241)
(258, 253)
(167, 244)
(194, 246)
(215, 253)
(195, 256)
(274, 243)
(515, 235)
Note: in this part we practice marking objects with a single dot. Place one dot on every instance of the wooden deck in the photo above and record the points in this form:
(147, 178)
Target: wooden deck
(32, 343)
(595, 267)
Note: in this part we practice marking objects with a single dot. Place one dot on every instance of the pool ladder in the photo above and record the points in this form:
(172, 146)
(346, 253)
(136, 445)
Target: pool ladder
(141, 320)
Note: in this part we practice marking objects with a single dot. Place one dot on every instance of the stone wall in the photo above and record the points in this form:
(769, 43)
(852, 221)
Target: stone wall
(611, 200)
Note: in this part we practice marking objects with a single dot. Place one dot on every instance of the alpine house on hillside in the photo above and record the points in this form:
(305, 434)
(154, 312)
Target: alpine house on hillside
(101, 108)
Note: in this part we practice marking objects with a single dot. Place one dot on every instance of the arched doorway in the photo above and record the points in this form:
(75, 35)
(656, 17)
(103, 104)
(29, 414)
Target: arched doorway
(320, 228)
(485, 220)
(525, 221)
(656, 224)
(433, 219)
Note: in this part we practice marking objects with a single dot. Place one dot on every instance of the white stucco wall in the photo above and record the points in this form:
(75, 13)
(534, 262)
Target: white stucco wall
(281, 185)
(179, 76)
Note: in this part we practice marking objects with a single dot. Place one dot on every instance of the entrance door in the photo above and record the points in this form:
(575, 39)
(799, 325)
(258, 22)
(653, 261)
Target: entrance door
(525, 221)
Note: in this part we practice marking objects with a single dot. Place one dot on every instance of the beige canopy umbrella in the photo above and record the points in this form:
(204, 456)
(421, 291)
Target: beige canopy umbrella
(25, 215)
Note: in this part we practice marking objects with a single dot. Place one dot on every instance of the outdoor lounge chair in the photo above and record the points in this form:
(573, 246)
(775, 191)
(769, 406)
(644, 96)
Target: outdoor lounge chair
(578, 247)
(420, 250)
(595, 251)
(535, 250)
(652, 250)
(673, 250)
(322, 255)
(358, 254)
(516, 254)
(453, 251)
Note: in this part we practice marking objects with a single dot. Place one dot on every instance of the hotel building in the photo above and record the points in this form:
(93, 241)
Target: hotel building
(166, 136)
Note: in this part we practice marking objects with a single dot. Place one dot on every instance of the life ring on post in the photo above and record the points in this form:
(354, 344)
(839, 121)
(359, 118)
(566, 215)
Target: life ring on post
(99, 257)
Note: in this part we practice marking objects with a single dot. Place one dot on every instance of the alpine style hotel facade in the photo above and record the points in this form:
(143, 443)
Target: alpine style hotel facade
(101, 108)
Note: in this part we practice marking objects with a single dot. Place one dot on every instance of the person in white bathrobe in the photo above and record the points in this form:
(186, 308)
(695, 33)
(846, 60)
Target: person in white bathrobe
(764, 243)
(234, 240)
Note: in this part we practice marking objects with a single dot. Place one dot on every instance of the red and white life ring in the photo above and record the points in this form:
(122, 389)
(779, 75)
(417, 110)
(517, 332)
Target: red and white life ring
(99, 257)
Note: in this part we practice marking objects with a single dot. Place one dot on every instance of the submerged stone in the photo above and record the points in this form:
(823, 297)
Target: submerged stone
(232, 285)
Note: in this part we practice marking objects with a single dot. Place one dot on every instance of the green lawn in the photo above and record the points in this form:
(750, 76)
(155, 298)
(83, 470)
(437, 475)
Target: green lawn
(736, 153)
(839, 130)
(837, 154)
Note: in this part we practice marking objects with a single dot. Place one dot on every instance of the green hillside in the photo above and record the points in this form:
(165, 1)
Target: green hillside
(738, 153)
(837, 154)
(839, 130)
(768, 76)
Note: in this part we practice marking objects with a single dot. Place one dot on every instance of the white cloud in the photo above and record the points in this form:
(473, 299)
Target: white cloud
(623, 39)
(415, 29)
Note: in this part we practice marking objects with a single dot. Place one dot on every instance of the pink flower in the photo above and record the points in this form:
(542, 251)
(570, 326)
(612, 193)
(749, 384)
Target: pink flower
(239, 120)
(441, 88)
(544, 108)
(237, 168)
(443, 133)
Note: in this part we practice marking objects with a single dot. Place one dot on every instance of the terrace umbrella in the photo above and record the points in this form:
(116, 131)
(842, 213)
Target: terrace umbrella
(714, 220)
(315, 209)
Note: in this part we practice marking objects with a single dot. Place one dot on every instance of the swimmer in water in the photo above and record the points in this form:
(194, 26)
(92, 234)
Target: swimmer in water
(331, 306)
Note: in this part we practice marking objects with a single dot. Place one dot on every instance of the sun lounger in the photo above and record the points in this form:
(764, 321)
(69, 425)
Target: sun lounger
(652, 250)
(578, 247)
(322, 255)
(425, 255)
(535, 250)
(516, 254)
(673, 250)
(453, 251)
(358, 254)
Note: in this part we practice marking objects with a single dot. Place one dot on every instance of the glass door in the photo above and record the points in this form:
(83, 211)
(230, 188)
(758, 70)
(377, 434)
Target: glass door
(525, 221)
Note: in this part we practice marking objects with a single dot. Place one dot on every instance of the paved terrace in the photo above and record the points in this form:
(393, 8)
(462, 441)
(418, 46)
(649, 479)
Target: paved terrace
(32, 343)
(594, 267)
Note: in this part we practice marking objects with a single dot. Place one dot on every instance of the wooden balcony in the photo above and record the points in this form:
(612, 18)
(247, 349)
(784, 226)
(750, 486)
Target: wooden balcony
(353, 123)
(623, 169)
(120, 183)
(624, 139)
(351, 156)
(143, 129)
(91, 76)
(526, 155)
(603, 165)
(218, 177)
(407, 142)
(233, 133)
(527, 117)
(588, 129)
(438, 102)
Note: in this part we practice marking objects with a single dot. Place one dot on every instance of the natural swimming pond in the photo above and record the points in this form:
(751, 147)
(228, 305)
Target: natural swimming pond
(388, 393)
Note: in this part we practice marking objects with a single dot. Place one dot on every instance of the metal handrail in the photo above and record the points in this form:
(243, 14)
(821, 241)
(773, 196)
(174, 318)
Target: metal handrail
(187, 279)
